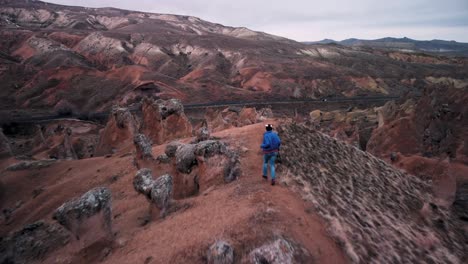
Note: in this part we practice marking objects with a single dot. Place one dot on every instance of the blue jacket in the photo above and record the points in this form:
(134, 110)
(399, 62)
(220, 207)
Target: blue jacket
(268, 138)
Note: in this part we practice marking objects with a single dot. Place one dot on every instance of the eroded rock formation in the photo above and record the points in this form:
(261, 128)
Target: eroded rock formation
(143, 147)
(119, 131)
(201, 165)
(164, 121)
(74, 214)
(434, 126)
(158, 191)
(203, 133)
(161, 193)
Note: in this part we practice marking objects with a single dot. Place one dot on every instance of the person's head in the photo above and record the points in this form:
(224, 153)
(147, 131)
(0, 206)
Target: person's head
(269, 127)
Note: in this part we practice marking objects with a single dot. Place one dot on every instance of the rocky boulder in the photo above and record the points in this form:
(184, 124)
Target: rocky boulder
(171, 148)
(119, 131)
(209, 148)
(161, 193)
(203, 134)
(74, 213)
(165, 120)
(189, 155)
(32, 243)
(163, 159)
(220, 252)
(185, 158)
(158, 192)
(214, 151)
(316, 116)
(279, 251)
(143, 147)
(201, 165)
(143, 182)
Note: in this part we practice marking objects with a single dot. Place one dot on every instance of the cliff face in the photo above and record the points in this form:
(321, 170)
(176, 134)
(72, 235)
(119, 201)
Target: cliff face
(94, 58)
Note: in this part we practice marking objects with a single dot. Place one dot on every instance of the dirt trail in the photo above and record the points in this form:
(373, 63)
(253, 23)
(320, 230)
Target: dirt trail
(247, 212)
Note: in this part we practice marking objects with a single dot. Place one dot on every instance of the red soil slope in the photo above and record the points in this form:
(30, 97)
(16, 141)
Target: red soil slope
(246, 212)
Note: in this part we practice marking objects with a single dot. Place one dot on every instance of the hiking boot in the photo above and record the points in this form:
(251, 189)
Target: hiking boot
(265, 177)
(273, 182)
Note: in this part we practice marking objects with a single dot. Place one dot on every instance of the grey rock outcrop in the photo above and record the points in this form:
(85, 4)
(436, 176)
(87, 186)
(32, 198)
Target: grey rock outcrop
(158, 192)
(32, 243)
(143, 147)
(188, 156)
(161, 193)
(185, 158)
(171, 148)
(169, 107)
(163, 159)
(278, 252)
(143, 182)
(203, 134)
(211, 148)
(123, 118)
(73, 213)
(201, 165)
(220, 252)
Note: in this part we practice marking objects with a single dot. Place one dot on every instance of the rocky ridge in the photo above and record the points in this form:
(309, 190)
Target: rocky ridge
(371, 208)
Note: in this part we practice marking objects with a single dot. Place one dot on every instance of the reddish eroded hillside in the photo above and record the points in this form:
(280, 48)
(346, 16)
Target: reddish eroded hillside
(423, 135)
(376, 212)
(435, 126)
(427, 137)
(95, 58)
(247, 213)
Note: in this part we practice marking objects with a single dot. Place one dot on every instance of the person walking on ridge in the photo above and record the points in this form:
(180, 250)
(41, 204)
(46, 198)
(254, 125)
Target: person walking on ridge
(270, 146)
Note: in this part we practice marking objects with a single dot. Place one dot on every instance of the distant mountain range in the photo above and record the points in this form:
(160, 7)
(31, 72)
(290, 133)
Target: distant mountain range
(452, 48)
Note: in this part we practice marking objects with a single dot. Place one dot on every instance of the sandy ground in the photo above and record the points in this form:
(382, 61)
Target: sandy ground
(247, 212)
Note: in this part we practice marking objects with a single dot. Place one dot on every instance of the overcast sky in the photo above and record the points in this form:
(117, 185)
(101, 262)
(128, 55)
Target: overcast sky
(305, 20)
